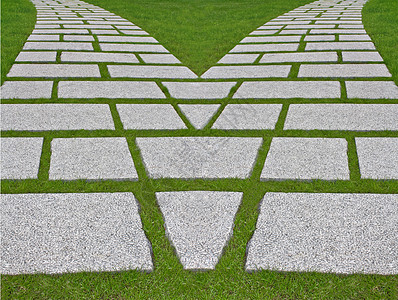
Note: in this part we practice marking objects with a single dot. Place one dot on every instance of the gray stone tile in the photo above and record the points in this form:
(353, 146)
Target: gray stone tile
(127, 27)
(248, 117)
(172, 72)
(319, 38)
(344, 70)
(42, 117)
(199, 90)
(26, 89)
(104, 31)
(127, 39)
(372, 89)
(91, 159)
(43, 37)
(110, 89)
(299, 57)
(199, 157)
(247, 72)
(265, 48)
(288, 89)
(338, 22)
(378, 157)
(199, 114)
(133, 48)
(90, 26)
(355, 117)
(338, 233)
(263, 32)
(159, 59)
(134, 32)
(60, 31)
(109, 23)
(149, 116)
(199, 224)
(337, 31)
(354, 37)
(98, 57)
(40, 26)
(351, 26)
(287, 23)
(271, 39)
(306, 158)
(238, 59)
(294, 31)
(63, 233)
(20, 157)
(270, 27)
(340, 46)
(58, 22)
(79, 38)
(312, 26)
(361, 56)
(58, 46)
(53, 70)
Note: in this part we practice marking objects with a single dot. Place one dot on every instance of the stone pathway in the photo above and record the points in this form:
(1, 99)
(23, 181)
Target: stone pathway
(90, 88)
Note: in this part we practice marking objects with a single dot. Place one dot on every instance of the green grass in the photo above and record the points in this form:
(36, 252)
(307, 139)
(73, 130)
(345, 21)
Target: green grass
(199, 33)
(18, 17)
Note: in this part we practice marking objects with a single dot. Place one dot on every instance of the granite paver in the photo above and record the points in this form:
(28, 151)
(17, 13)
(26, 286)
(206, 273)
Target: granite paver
(26, 89)
(246, 72)
(344, 70)
(54, 70)
(199, 115)
(199, 90)
(372, 89)
(172, 72)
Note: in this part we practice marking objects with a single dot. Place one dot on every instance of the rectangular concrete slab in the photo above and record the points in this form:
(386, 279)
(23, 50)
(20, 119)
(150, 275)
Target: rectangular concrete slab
(263, 32)
(110, 89)
(354, 117)
(199, 90)
(306, 159)
(299, 57)
(26, 89)
(372, 89)
(199, 157)
(248, 117)
(265, 48)
(354, 37)
(271, 39)
(134, 32)
(340, 46)
(319, 38)
(43, 117)
(133, 48)
(378, 157)
(344, 70)
(60, 31)
(58, 46)
(331, 233)
(127, 39)
(149, 116)
(98, 57)
(172, 72)
(38, 56)
(20, 157)
(238, 59)
(47, 37)
(79, 38)
(159, 59)
(337, 31)
(104, 31)
(91, 159)
(63, 233)
(54, 70)
(246, 72)
(288, 89)
(359, 56)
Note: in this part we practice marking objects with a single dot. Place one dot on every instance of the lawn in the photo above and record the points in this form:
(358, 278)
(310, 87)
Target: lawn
(199, 33)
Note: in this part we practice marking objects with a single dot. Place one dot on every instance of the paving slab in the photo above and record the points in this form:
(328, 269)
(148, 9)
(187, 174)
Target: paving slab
(54, 70)
(378, 157)
(372, 89)
(361, 56)
(340, 46)
(354, 37)
(58, 46)
(330, 233)
(79, 38)
(265, 48)
(263, 32)
(20, 157)
(104, 31)
(90, 26)
(199, 90)
(199, 115)
(43, 117)
(294, 31)
(110, 89)
(149, 116)
(159, 59)
(42, 37)
(248, 117)
(64, 233)
(134, 32)
(133, 48)
(172, 72)
(344, 70)
(199, 224)
(60, 31)
(127, 39)
(247, 72)
(306, 158)
(91, 159)
(288, 89)
(271, 39)
(353, 117)
(238, 59)
(199, 157)
(312, 26)
(299, 57)
(319, 38)
(337, 31)
(98, 57)
(26, 89)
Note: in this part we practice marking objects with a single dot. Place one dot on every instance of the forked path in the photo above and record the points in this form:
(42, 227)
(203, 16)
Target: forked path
(79, 52)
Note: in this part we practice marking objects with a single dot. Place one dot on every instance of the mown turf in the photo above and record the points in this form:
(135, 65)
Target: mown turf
(199, 33)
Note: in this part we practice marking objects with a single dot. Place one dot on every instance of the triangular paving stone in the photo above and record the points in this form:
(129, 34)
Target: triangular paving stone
(199, 224)
(199, 114)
